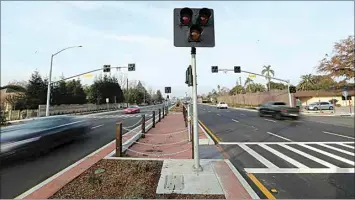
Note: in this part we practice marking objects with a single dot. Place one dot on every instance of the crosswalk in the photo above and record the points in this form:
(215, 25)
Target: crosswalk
(295, 157)
(116, 116)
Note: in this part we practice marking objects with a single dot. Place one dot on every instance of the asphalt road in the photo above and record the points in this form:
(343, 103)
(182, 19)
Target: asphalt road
(20, 176)
(309, 158)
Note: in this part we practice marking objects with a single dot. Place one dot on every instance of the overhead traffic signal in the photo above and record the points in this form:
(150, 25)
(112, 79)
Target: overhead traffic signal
(107, 68)
(194, 27)
(292, 89)
(237, 69)
(167, 90)
(188, 76)
(132, 67)
(214, 69)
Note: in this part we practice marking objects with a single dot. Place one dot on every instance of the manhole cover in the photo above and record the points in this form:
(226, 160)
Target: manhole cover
(174, 182)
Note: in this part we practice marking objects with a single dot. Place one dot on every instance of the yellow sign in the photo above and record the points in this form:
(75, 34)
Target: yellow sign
(252, 76)
(87, 75)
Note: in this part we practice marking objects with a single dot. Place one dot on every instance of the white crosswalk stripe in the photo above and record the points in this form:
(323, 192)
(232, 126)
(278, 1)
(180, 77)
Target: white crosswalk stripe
(319, 150)
(116, 116)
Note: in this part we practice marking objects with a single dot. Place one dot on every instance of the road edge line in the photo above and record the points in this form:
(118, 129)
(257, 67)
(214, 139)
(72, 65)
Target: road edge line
(261, 187)
(245, 184)
(207, 135)
(214, 137)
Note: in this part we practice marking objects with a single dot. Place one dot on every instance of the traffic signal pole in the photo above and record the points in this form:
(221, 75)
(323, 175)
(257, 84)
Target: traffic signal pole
(197, 166)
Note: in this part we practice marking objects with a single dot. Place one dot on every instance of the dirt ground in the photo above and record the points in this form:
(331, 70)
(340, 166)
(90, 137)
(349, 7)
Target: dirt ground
(121, 179)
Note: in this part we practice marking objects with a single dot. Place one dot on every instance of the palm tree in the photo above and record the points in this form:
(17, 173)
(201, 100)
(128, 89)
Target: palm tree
(248, 81)
(307, 82)
(268, 72)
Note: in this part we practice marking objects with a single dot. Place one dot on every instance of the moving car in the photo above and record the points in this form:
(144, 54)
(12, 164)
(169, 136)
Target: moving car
(278, 110)
(320, 106)
(40, 135)
(222, 105)
(132, 109)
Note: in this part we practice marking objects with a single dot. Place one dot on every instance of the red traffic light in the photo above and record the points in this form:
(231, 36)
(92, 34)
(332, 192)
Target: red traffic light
(195, 33)
(185, 16)
(204, 16)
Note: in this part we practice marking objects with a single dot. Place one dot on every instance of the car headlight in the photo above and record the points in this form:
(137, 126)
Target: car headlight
(10, 145)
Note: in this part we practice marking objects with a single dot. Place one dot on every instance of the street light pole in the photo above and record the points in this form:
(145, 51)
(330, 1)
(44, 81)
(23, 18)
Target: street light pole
(50, 78)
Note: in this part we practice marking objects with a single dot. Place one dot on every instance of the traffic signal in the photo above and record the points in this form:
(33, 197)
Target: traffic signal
(214, 69)
(292, 89)
(167, 96)
(237, 69)
(131, 67)
(188, 77)
(107, 68)
(194, 27)
(167, 90)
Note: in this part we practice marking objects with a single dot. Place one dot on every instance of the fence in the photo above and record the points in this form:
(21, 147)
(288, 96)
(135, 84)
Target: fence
(254, 99)
(17, 114)
(76, 108)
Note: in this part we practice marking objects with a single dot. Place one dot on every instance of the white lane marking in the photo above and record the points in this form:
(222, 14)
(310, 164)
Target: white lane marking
(97, 126)
(218, 114)
(245, 184)
(329, 154)
(338, 135)
(270, 120)
(257, 156)
(322, 162)
(235, 120)
(337, 149)
(283, 156)
(300, 171)
(279, 136)
(338, 143)
(242, 114)
(344, 145)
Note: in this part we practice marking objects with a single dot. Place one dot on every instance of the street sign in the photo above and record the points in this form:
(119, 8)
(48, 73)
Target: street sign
(252, 76)
(107, 100)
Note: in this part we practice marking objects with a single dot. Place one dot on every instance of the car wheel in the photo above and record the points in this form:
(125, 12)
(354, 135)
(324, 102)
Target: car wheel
(261, 114)
(331, 108)
(315, 108)
(277, 116)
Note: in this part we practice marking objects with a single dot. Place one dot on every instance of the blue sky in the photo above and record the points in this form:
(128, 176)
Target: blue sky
(290, 36)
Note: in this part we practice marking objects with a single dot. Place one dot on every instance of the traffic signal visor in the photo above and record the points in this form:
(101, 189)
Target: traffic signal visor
(185, 16)
(204, 16)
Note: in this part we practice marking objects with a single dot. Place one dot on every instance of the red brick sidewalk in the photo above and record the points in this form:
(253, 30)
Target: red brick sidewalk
(169, 139)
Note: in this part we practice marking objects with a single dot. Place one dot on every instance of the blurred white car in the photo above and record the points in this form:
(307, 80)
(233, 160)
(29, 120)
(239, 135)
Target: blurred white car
(222, 105)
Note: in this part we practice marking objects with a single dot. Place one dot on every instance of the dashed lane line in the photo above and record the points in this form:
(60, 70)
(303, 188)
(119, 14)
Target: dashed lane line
(97, 126)
(279, 136)
(235, 120)
(270, 120)
(330, 133)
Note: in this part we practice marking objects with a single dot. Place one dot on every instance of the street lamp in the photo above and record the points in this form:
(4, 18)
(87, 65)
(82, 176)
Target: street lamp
(50, 77)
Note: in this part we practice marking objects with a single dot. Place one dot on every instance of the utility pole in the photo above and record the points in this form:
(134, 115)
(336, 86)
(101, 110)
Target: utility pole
(127, 92)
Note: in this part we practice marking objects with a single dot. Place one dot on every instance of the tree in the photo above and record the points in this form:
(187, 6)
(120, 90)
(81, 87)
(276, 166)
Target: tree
(256, 87)
(322, 82)
(277, 86)
(159, 96)
(238, 89)
(268, 72)
(341, 63)
(105, 87)
(75, 92)
(36, 92)
(306, 83)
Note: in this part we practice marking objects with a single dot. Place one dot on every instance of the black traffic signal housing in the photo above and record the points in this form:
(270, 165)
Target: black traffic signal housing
(214, 69)
(131, 67)
(194, 27)
(237, 69)
(188, 77)
(292, 89)
(107, 68)
(167, 90)
(167, 96)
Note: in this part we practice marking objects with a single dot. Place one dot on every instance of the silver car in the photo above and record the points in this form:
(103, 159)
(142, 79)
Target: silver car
(320, 106)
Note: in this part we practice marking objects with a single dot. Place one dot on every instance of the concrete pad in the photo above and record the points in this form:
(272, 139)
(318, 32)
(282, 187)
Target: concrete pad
(205, 182)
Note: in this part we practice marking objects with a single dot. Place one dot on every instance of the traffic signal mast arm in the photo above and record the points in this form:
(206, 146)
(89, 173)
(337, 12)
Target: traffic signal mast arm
(286, 81)
(95, 70)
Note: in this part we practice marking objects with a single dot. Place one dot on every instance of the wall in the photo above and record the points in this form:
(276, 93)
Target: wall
(309, 100)
(255, 99)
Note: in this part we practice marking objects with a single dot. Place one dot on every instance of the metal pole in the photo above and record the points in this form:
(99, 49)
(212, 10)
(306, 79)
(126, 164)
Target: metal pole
(189, 121)
(49, 87)
(289, 94)
(118, 139)
(197, 166)
(153, 119)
